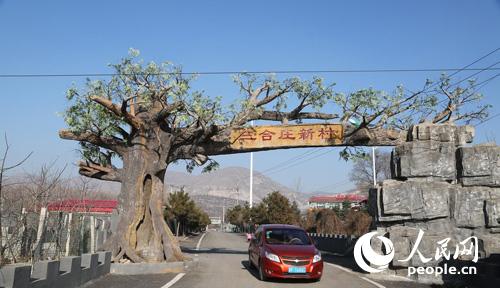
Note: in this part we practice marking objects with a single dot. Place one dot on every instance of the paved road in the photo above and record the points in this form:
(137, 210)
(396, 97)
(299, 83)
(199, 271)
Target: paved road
(223, 262)
(132, 281)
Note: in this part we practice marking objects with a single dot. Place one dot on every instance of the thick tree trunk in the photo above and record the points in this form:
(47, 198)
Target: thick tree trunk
(142, 235)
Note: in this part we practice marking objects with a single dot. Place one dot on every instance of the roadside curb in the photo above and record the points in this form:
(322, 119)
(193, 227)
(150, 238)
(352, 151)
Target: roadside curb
(152, 268)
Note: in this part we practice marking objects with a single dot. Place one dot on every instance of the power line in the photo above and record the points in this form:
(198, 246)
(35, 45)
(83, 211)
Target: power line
(250, 72)
(278, 169)
(485, 82)
(487, 119)
(309, 153)
(295, 164)
(475, 61)
(472, 75)
(463, 69)
(466, 68)
(291, 160)
(479, 85)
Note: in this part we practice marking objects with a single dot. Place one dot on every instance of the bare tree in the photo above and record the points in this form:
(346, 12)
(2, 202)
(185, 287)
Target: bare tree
(362, 170)
(4, 168)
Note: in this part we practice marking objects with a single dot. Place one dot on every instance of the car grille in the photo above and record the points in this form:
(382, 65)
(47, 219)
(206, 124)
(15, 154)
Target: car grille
(296, 260)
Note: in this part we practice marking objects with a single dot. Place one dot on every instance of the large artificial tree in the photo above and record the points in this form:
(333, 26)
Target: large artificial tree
(147, 116)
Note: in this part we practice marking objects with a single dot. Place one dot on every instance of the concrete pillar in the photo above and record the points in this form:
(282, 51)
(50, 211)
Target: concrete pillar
(92, 234)
(45, 273)
(40, 232)
(89, 267)
(23, 234)
(68, 234)
(15, 275)
(82, 234)
(70, 272)
(104, 263)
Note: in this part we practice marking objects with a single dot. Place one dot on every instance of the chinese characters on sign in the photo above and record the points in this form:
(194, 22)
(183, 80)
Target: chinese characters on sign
(442, 251)
(287, 136)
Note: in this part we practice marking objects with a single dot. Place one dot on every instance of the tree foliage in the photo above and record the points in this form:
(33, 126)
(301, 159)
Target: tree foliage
(184, 213)
(329, 221)
(274, 208)
(357, 223)
(240, 216)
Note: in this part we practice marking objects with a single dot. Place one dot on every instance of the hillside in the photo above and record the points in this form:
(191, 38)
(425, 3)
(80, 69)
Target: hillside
(231, 182)
(210, 189)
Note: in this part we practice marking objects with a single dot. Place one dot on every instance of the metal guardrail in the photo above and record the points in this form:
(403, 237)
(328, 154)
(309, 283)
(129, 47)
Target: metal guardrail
(334, 243)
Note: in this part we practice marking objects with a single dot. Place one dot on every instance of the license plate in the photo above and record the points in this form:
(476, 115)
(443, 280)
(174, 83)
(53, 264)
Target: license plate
(296, 269)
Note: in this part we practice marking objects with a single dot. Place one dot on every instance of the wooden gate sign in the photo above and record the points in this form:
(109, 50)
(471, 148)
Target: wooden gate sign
(302, 135)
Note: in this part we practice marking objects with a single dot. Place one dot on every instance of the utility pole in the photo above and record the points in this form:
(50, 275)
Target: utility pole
(373, 167)
(251, 177)
(222, 222)
(238, 195)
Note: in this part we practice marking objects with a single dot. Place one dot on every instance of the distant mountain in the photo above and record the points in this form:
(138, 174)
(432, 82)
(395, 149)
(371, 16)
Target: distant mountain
(227, 184)
(231, 182)
(214, 205)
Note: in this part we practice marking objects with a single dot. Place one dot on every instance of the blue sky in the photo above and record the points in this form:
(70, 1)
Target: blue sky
(84, 36)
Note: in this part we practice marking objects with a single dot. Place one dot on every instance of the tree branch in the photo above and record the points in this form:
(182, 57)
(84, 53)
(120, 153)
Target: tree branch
(118, 111)
(110, 143)
(280, 116)
(92, 170)
(271, 97)
(220, 144)
(166, 111)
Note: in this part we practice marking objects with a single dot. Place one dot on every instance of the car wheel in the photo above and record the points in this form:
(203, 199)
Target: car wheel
(262, 276)
(250, 263)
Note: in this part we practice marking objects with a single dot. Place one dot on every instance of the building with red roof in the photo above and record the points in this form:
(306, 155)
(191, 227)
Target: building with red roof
(83, 206)
(336, 201)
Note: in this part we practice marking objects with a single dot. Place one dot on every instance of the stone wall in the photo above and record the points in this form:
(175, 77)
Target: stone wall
(445, 187)
(69, 272)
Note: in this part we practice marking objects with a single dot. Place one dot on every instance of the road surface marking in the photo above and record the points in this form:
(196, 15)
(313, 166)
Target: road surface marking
(341, 268)
(353, 273)
(199, 241)
(371, 281)
(174, 280)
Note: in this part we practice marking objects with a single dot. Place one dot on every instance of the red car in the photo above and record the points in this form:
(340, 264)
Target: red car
(284, 251)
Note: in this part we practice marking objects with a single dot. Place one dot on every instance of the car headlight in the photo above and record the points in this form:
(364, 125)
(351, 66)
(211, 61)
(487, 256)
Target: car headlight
(317, 257)
(272, 257)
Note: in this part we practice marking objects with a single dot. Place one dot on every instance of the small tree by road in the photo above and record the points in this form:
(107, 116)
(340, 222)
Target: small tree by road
(183, 212)
(240, 216)
(274, 208)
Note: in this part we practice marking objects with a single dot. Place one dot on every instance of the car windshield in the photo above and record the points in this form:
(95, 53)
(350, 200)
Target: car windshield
(287, 236)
